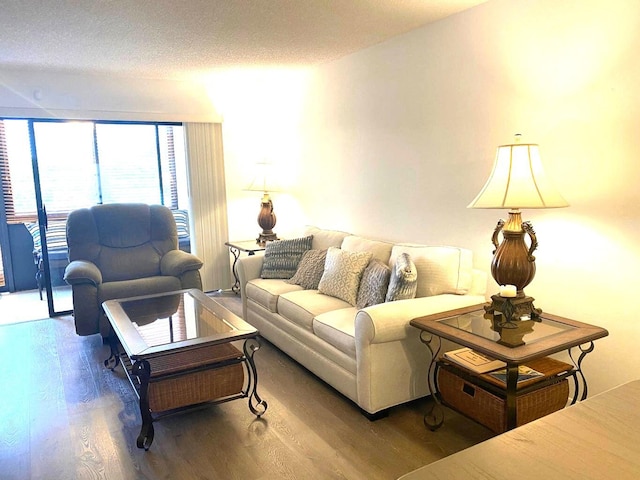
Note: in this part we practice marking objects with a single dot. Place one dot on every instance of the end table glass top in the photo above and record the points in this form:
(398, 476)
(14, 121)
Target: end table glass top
(512, 333)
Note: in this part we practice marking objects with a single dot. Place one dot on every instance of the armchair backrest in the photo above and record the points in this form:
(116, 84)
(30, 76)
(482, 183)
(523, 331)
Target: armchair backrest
(124, 240)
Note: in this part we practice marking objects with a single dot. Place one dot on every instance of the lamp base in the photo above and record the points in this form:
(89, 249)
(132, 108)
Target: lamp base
(263, 238)
(517, 308)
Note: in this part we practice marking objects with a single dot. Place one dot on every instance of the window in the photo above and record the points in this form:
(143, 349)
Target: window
(83, 163)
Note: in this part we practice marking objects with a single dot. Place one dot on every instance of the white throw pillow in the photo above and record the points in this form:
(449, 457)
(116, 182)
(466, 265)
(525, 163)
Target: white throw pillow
(403, 283)
(342, 274)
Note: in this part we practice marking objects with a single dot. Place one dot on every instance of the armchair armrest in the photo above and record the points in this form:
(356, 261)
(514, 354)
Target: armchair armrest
(177, 262)
(82, 271)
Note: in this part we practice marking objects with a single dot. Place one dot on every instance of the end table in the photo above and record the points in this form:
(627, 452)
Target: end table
(248, 246)
(471, 328)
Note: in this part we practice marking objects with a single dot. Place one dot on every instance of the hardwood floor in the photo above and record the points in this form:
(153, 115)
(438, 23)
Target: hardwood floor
(64, 416)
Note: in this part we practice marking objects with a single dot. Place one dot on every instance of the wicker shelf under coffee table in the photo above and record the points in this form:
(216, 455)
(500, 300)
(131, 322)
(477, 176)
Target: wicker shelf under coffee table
(181, 349)
(471, 327)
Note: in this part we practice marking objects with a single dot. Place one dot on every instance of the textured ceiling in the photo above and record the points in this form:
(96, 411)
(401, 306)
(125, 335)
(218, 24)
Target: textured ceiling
(172, 38)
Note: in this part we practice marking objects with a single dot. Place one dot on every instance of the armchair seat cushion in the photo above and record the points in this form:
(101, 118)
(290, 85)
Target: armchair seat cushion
(137, 287)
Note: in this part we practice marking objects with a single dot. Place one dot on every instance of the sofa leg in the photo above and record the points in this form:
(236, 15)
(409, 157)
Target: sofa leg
(375, 416)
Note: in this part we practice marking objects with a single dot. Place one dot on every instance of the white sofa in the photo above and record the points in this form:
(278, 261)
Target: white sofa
(372, 355)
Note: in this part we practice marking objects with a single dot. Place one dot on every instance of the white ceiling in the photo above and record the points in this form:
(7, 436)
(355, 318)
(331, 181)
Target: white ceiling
(175, 38)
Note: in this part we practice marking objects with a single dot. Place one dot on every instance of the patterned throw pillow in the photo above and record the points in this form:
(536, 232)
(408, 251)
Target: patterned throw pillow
(281, 257)
(374, 284)
(342, 274)
(404, 279)
(310, 269)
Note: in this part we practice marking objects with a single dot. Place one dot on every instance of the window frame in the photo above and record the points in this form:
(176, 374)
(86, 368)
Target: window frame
(11, 216)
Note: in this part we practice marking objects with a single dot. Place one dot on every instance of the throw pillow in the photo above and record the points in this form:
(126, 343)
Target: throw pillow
(374, 284)
(403, 283)
(281, 257)
(310, 269)
(342, 274)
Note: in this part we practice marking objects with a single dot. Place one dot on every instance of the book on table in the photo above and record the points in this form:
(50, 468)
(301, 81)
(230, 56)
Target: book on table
(475, 361)
(524, 373)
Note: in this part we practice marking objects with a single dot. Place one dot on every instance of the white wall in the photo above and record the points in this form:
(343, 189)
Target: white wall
(399, 138)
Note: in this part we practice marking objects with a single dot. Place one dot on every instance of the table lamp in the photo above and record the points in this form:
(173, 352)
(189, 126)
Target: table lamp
(517, 181)
(264, 182)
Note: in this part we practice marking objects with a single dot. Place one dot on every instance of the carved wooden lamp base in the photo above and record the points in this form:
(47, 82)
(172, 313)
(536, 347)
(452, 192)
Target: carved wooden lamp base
(266, 220)
(517, 308)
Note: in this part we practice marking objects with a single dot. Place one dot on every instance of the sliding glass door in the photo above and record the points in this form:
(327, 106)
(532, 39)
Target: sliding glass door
(52, 167)
(66, 178)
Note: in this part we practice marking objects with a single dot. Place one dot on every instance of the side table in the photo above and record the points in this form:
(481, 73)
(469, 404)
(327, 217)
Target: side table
(248, 246)
(472, 327)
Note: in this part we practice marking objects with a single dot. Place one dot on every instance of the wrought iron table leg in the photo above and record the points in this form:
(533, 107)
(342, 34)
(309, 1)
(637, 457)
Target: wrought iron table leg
(579, 380)
(236, 254)
(114, 359)
(256, 404)
(142, 370)
(434, 418)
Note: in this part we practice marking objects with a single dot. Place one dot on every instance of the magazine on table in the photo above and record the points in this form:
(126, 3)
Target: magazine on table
(474, 361)
(524, 373)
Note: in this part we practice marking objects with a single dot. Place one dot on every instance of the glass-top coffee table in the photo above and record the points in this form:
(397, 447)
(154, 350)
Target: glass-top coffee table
(181, 349)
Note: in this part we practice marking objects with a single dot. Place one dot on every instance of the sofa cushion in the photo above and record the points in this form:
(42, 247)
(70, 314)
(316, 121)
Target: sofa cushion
(310, 269)
(337, 328)
(301, 307)
(323, 239)
(374, 284)
(441, 269)
(380, 250)
(266, 292)
(404, 279)
(281, 257)
(342, 273)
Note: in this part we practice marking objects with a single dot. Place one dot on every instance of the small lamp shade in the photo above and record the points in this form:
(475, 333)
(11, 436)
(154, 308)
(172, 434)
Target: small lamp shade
(264, 180)
(518, 181)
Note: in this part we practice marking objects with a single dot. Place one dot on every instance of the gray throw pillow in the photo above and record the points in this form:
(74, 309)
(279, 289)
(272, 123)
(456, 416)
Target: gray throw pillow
(342, 274)
(374, 284)
(310, 269)
(404, 279)
(281, 257)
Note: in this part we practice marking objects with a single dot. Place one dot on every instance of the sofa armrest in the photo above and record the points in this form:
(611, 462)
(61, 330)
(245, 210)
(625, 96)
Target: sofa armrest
(81, 271)
(176, 262)
(248, 268)
(391, 360)
(389, 321)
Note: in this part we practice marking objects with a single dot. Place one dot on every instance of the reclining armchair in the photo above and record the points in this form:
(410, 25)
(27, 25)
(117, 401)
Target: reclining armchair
(123, 250)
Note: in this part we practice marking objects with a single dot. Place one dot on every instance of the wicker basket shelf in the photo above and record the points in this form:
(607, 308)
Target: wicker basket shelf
(483, 398)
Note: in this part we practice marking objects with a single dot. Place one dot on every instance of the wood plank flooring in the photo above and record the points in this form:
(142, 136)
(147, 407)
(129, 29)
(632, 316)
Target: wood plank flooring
(64, 416)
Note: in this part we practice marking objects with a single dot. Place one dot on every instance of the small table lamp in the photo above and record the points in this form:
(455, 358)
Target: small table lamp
(517, 181)
(264, 182)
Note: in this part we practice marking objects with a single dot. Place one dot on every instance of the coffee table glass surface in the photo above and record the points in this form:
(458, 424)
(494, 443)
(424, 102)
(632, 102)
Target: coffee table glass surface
(180, 320)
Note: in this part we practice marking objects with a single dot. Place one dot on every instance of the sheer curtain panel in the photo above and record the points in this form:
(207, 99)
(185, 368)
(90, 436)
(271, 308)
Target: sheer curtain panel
(208, 197)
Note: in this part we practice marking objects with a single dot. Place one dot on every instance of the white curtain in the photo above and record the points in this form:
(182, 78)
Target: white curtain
(208, 202)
